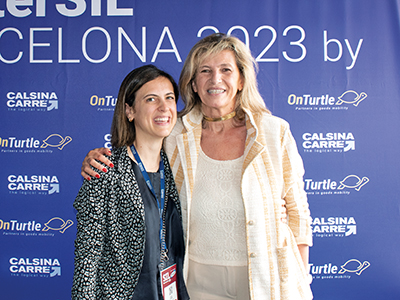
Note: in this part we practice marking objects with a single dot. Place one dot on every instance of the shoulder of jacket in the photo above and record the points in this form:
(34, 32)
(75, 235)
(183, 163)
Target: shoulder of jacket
(170, 142)
(119, 157)
(270, 123)
(178, 128)
(273, 120)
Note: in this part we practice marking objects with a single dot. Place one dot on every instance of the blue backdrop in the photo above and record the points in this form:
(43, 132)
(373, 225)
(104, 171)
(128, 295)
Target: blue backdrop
(330, 68)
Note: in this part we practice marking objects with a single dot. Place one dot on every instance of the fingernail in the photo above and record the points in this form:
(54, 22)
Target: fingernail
(104, 170)
(88, 178)
(111, 165)
(97, 176)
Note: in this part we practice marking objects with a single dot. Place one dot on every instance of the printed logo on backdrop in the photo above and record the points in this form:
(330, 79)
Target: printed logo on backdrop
(334, 227)
(52, 142)
(326, 102)
(19, 184)
(345, 270)
(103, 103)
(34, 228)
(331, 142)
(329, 186)
(34, 267)
(32, 101)
(107, 140)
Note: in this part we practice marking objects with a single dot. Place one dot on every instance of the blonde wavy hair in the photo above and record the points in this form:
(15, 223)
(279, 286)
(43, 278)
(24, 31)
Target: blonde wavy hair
(249, 97)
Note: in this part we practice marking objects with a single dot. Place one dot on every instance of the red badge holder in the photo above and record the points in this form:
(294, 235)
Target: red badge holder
(169, 283)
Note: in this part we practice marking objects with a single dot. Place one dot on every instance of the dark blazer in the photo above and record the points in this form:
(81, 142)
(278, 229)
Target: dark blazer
(110, 239)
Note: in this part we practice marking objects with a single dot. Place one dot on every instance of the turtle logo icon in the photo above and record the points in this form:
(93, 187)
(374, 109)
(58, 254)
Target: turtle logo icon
(351, 97)
(354, 266)
(56, 140)
(353, 182)
(57, 224)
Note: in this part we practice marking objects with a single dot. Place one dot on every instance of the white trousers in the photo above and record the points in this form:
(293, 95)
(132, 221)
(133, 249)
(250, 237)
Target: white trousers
(211, 282)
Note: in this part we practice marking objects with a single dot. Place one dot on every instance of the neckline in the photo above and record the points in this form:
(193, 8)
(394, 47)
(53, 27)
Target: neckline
(136, 164)
(219, 119)
(220, 161)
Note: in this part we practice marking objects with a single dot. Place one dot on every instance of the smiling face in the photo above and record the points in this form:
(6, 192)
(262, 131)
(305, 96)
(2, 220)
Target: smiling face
(217, 82)
(154, 110)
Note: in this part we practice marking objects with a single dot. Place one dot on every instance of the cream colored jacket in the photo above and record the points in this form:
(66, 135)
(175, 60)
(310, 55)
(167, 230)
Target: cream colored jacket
(272, 170)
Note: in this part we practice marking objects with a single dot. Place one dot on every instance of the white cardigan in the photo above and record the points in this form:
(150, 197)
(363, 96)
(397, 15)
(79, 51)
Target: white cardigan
(272, 170)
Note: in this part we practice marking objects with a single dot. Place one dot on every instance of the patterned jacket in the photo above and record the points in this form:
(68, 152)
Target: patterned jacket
(110, 238)
(272, 170)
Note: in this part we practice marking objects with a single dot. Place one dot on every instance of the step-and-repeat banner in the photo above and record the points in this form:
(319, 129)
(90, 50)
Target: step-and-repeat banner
(330, 68)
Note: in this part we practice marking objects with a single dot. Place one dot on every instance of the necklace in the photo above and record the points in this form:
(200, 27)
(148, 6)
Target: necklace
(223, 118)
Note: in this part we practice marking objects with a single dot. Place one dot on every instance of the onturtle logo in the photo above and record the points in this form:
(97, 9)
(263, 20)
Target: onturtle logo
(326, 102)
(33, 101)
(57, 141)
(332, 271)
(106, 103)
(332, 142)
(351, 97)
(354, 266)
(35, 267)
(33, 184)
(33, 145)
(334, 227)
(57, 224)
(353, 182)
(35, 228)
(332, 187)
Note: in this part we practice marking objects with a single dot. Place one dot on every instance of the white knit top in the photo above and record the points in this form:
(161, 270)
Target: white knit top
(217, 219)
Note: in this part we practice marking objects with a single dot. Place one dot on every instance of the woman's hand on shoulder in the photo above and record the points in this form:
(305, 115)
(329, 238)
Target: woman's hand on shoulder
(93, 158)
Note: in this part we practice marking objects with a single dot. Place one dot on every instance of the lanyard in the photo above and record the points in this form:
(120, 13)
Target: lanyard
(160, 203)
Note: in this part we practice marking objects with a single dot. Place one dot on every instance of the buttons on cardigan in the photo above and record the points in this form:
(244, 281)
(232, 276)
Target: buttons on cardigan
(251, 223)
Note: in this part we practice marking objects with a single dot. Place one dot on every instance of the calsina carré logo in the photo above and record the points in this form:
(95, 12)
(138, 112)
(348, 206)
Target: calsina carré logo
(343, 270)
(35, 228)
(107, 141)
(333, 227)
(32, 101)
(34, 267)
(332, 187)
(331, 142)
(14, 144)
(19, 184)
(326, 102)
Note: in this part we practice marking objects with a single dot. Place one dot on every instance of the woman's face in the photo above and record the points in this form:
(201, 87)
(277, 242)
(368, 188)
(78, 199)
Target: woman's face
(154, 109)
(217, 82)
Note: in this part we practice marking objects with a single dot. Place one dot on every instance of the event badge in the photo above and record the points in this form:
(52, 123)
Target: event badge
(168, 283)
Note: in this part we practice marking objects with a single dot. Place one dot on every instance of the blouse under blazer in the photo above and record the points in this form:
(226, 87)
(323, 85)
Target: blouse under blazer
(272, 170)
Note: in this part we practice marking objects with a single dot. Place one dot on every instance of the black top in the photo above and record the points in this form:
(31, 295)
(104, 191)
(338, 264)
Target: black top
(149, 286)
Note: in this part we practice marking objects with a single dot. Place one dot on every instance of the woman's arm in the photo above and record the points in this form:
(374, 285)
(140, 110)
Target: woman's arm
(89, 240)
(294, 194)
(93, 159)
